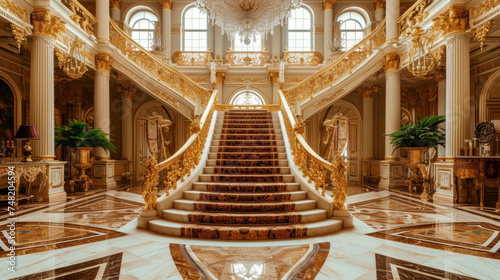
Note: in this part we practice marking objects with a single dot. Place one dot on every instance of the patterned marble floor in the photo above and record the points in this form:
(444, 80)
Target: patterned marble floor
(394, 237)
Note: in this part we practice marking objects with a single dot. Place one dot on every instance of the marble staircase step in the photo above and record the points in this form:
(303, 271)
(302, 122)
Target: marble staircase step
(248, 131)
(191, 205)
(245, 232)
(244, 196)
(271, 178)
(260, 170)
(247, 137)
(246, 187)
(248, 149)
(248, 142)
(241, 156)
(247, 162)
(183, 216)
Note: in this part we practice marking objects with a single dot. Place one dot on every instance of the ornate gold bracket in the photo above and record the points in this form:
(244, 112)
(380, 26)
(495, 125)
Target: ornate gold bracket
(20, 34)
(479, 33)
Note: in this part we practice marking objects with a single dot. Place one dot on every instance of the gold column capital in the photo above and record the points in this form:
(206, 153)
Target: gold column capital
(379, 4)
(328, 4)
(117, 4)
(391, 62)
(103, 61)
(47, 23)
(219, 76)
(166, 4)
(275, 75)
(126, 92)
(368, 92)
(455, 19)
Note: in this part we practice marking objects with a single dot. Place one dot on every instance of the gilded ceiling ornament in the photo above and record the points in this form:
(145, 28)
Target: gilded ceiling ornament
(103, 61)
(379, 4)
(117, 4)
(455, 19)
(479, 33)
(10, 6)
(328, 4)
(166, 4)
(20, 34)
(391, 62)
(47, 23)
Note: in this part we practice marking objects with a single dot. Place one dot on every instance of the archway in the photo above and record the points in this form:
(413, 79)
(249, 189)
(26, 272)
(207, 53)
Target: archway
(349, 110)
(489, 99)
(247, 97)
(10, 106)
(141, 149)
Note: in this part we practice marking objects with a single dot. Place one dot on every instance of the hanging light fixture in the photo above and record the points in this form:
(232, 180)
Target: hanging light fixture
(74, 64)
(420, 59)
(247, 18)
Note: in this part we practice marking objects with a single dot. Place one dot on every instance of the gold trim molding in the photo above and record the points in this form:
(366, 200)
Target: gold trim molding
(10, 6)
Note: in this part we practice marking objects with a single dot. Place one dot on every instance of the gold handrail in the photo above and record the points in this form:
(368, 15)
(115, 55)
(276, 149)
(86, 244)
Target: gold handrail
(413, 16)
(310, 163)
(161, 70)
(180, 164)
(339, 68)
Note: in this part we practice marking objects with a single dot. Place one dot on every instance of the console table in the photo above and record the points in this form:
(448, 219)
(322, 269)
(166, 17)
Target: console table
(481, 169)
(28, 171)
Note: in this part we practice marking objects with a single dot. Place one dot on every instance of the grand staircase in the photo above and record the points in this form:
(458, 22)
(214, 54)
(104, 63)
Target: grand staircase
(246, 191)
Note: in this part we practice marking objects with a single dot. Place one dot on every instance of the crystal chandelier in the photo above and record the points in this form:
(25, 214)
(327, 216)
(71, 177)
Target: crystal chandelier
(247, 18)
(420, 61)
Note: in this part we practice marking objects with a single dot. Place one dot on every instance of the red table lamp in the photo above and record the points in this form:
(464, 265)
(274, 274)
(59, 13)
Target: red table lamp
(27, 132)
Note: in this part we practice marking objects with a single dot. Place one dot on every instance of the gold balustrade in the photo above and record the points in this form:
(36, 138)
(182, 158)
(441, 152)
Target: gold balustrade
(192, 58)
(312, 58)
(159, 69)
(227, 107)
(413, 17)
(339, 68)
(180, 164)
(235, 58)
(81, 16)
(310, 163)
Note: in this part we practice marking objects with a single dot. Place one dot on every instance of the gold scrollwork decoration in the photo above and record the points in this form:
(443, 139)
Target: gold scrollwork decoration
(479, 33)
(20, 34)
(302, 58)
(10, 6)
(83, 18)
(235, 58)
(47, 23)
(192, 58)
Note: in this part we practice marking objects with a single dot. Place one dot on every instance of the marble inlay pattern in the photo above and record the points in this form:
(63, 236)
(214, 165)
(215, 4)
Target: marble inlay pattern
(243, 263)
(479, 239)
(102, 268)
(488, 212)
(97, 203)
(32, 237)
(397, 203)
(393, 269)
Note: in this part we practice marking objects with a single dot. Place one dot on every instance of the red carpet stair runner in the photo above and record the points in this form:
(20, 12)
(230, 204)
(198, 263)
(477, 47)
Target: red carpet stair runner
(246, 191)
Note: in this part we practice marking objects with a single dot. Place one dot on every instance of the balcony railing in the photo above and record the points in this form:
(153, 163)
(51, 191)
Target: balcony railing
(159, 69)
(339, 68)
(311, 58)
(81, 16)
(192, 58)
(235, 58)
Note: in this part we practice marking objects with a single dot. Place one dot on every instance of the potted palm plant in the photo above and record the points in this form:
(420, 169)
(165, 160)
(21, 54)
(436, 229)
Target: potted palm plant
(417, 138)
(82, 141)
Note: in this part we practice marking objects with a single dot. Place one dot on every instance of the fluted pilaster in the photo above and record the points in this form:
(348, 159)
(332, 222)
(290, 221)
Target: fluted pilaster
(367, 94)
(328, 32)
(392, 16)
(392, 110)
(457, 91)
(42, 95)
(102, 15)
(167, 30)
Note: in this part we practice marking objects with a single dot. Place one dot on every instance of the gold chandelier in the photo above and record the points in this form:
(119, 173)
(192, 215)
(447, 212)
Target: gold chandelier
(74, 63)
(420, 59)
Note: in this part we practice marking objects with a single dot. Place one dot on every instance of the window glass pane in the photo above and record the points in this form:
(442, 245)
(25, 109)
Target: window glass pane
(247, 97)
(195, 25)
(300, 30)
(143, 28)
(350, 23)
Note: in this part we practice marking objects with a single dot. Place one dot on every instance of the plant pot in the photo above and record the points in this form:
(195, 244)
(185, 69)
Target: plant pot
(416, 155)
(82, 162)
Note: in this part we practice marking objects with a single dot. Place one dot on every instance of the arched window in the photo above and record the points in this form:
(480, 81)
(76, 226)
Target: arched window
(143, 28)
(247, 97)
(300, 30)
(195, 30)
(254, 46)
(352, 26)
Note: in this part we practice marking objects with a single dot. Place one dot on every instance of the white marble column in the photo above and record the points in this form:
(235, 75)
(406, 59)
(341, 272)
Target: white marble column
(392, 16)
(116, 10)
(379, 10)
(441, 109)
(101, 98)
(392, 102)
(127, 124)
(367, 95)
(102, 15)
(42, 95)
(328, 32)
(166, 36)
(276, 41)
(457, 91)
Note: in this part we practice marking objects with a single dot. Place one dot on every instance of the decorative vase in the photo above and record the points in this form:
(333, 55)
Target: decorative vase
(419, 180)
(82, 162)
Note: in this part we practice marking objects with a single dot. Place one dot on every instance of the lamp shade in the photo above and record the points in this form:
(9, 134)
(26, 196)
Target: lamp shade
(27, 132)
(496, 123)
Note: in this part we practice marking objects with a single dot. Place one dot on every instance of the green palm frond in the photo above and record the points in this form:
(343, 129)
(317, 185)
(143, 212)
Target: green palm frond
(77, 134)
(425, 133)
